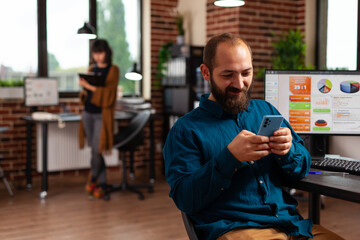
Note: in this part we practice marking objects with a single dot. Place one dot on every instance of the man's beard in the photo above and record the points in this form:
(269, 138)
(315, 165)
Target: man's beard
(233, 104)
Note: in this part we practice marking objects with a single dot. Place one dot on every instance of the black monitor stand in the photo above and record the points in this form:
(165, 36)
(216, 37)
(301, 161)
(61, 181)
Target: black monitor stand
(317, 145)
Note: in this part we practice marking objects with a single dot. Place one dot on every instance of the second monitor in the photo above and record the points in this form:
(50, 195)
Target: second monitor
(41, 91)
(316, 102)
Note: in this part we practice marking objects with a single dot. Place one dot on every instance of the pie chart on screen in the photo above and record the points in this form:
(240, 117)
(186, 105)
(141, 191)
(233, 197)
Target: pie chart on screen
(349, 86)
(324, 85)
(321, 123)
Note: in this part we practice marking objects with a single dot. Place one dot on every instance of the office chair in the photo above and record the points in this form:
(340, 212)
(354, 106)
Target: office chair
(189, 226)
(7, 185)
(128, 140)
(2, 174)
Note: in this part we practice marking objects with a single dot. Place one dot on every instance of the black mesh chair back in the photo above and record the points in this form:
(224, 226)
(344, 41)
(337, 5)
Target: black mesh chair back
(189, 226)
(133, 134)
(127, 140)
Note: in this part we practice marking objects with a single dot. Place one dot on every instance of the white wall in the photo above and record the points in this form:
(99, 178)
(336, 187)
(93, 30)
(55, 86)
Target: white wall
(194, 12)
(310, 29)
(146, 50)
(346, 146)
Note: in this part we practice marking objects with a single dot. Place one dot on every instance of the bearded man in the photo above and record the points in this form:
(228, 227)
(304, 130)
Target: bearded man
(223, 175)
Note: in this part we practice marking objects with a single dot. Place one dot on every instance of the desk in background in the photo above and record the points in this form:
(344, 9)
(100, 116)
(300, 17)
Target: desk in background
(345, 187)
(119, 116)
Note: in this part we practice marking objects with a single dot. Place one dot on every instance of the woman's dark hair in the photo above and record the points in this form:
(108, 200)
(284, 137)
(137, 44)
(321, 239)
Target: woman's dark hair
(101, 45)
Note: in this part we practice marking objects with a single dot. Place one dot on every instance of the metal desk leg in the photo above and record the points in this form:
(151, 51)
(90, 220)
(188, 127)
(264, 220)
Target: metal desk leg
(44, 186)
(314, 207)
(28, 155)
(152, 152)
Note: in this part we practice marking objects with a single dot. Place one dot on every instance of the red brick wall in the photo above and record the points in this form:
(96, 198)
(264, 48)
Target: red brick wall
(260, 23)
(13, 142)
(163, 30)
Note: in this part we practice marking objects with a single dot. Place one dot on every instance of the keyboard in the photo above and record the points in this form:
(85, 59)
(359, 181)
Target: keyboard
(338, 164)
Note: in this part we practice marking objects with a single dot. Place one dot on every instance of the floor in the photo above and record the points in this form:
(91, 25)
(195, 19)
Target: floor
(67, 213)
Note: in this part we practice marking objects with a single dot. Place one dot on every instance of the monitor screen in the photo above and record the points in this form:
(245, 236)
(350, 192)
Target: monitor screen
(316, 102)
(41, 91)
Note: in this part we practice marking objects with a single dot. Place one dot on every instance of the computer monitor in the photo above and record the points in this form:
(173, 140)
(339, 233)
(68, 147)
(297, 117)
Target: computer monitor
(316, 102)
(40, 91)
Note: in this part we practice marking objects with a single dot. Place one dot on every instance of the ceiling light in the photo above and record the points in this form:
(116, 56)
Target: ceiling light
(229, 3)
(87, 31)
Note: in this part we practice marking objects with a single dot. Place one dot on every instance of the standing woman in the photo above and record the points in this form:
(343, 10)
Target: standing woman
(98, 115)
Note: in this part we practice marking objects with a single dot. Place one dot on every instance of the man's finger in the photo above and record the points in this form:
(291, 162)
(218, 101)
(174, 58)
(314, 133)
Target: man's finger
(246, 133)
(256, 139)
(279, 152)
(282, 131)
(263, 146)
(280, 139)
(281, 146)
(259, 154)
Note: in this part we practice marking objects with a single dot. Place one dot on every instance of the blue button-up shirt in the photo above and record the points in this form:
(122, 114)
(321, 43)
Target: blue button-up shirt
(219, 192)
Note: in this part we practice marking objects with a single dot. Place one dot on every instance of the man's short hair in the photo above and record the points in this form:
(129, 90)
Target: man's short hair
(212, 44)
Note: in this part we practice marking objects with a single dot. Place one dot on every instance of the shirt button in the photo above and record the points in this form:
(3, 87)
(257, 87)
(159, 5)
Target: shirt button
(276, 216)
(252, 162)
(222, 189)
(261, 181)
(235, 169)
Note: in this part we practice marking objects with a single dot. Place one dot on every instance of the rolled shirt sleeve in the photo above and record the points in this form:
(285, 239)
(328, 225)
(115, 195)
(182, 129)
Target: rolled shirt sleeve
(296, 163)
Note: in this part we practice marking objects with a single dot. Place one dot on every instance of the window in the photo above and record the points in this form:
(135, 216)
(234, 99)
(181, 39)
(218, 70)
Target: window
(67, 53)
(18, 48)
(119, 22)
(342, 28)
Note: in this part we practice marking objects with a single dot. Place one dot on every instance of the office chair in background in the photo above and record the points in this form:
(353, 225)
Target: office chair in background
(7, 185)
(189, 226)
(2, 174)
(127, 140)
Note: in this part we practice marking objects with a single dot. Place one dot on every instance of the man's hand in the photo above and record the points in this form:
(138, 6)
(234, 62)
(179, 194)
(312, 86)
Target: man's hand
(247, 146)
(280, 142)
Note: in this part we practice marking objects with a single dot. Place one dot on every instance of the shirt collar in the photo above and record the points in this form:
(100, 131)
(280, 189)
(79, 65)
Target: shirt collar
(213, 107)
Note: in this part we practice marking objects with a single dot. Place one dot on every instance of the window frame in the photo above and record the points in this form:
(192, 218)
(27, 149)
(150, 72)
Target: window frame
(321, 36)
(42, 42)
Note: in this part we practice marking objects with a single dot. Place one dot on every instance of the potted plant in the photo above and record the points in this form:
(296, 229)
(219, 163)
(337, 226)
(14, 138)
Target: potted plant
(11, 89)
(179, 21)
(164, 56)
(289, 53)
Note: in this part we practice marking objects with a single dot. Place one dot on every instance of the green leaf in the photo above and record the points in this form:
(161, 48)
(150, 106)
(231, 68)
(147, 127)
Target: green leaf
(290, 51)
(11, 83)
(164, 56)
